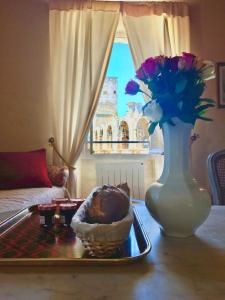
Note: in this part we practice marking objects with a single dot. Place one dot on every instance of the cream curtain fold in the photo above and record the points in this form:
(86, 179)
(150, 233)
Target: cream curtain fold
(81, 38)
(145, 35)
(156, 28)
(178, 34)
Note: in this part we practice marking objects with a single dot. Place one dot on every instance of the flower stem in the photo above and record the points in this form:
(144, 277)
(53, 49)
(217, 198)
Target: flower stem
(145, 93)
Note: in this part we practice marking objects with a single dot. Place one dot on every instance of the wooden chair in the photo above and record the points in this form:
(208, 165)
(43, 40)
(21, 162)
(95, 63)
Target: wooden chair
(216, 172)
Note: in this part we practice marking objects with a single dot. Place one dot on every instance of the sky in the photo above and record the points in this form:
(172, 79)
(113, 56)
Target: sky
(121, 66)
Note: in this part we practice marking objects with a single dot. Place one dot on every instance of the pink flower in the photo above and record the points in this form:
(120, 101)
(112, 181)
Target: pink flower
(160, 60)
(140, 74)
(189, 59)
(181, 64)
(149, 67)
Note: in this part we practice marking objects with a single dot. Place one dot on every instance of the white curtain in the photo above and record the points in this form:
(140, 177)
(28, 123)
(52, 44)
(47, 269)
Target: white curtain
(178, 33)
(81, 38)
(156, 28)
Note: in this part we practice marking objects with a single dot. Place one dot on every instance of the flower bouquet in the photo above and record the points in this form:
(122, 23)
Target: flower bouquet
(175, 85)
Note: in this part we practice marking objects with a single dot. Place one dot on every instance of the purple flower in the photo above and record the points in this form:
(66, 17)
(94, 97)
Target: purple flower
(189, 60)
(150, 67)
(171, 63)
(140, 74)
(132, 87)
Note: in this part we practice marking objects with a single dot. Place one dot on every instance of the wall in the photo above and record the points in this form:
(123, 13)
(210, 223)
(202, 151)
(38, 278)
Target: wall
(208, 42)
(24, 73)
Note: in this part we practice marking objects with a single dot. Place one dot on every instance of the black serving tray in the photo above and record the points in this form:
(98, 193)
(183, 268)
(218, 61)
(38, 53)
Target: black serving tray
(23, 242)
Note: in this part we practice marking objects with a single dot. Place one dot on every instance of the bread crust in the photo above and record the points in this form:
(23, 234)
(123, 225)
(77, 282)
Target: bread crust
(108, 204)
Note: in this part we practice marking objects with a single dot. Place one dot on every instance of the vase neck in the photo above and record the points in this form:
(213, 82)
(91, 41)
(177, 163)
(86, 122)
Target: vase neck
(176, 149)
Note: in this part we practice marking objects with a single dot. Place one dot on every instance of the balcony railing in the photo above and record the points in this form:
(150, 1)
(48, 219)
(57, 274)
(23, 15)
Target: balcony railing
(122, 143)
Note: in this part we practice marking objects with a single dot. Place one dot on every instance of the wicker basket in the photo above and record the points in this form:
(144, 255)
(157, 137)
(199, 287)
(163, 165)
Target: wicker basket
(101, 240)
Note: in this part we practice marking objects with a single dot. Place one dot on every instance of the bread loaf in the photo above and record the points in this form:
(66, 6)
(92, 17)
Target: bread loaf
(108, 204)
(124, 187)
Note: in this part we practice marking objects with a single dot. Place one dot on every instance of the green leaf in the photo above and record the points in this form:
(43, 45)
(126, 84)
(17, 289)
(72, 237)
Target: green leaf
(152, 86)
(201, 113)
(194, 90)
(152, 127)
(204, 118)
(180, 85)
(207, 100)
(203, 107)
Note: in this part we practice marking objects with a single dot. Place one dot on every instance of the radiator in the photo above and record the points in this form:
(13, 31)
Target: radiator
(120, 172)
